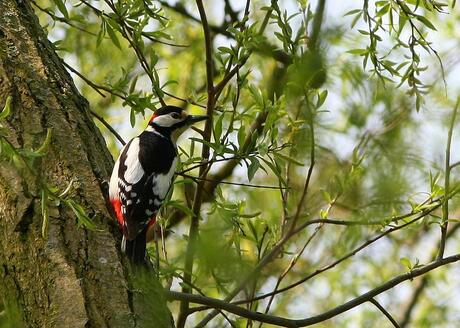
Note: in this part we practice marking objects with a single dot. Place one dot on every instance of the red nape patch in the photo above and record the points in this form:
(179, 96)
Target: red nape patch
(152, 118)
(116, 203)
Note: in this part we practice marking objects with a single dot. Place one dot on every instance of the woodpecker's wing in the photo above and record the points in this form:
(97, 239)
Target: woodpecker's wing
(146, 168)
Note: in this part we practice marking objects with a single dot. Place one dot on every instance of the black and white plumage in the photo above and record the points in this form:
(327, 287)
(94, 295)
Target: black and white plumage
(142, 176)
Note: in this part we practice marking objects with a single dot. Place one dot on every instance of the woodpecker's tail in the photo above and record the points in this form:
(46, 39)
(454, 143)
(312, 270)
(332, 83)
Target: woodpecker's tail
(135, 249)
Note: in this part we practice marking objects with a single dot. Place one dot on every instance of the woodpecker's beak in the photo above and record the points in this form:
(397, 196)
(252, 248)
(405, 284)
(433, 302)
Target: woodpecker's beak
(191, 119)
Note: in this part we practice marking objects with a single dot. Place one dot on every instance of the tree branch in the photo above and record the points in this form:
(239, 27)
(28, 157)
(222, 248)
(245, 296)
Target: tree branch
(284, 322)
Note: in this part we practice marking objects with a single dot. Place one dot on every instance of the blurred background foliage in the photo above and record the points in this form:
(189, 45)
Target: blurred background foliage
(368, 100)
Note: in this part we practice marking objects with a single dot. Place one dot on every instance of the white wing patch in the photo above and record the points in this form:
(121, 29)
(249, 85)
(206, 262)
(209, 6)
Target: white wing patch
(113, 185)
(134, 171)
(162, 182)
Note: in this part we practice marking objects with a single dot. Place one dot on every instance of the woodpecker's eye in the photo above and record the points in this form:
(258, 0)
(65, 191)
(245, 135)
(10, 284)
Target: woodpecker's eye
(175, 115)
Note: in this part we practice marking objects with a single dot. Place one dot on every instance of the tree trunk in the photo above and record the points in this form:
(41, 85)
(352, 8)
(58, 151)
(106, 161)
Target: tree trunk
(74, 277)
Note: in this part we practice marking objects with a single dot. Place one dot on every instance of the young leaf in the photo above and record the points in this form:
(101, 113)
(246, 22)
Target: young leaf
(132, 118)
(406, 262)
(352, 12)
(79, 211)
(113, 36)
(44, 147)
(62, 8)
(321, 99)
(253, 167)
(426, 22)
(241, 135)
(7, 109)
(45, 214)
(218, 128)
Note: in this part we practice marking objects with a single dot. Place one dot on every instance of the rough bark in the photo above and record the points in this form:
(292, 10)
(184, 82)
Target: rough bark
(74, 277)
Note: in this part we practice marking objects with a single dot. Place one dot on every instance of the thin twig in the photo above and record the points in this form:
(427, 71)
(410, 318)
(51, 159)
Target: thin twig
(108, 126)
(311, 124)
(445, 206)
(231, 183)
(385, 312)
(61, 19)
(94, 86)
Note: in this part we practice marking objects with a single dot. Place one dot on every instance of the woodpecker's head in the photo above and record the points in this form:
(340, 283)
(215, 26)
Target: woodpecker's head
(171, 121)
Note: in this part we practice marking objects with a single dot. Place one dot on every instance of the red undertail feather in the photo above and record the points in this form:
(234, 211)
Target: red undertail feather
(116, 203)
(150, 230)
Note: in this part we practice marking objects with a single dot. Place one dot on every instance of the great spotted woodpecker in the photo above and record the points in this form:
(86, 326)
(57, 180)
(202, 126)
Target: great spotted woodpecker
(142, 176)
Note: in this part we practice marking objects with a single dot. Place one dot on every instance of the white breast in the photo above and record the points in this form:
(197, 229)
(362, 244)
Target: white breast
(163, 181)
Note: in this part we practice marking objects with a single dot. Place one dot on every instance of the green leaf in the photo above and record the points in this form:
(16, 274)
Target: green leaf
(241, 135)
(327, 197)
(353, 12)
(253, 167)
(6, 149)
(113, 36)
(45, 213)
(179, 205)
(79, 211)
(7, 109)
(289, 159)
(323, 214)
(132, 118)
(406, 262)
(101, 33)
(218, 128)
(321, 98)
(226, 50)
(132, 87)
(44, 147)
(357, 51)
(62, 8)
(425, 22)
